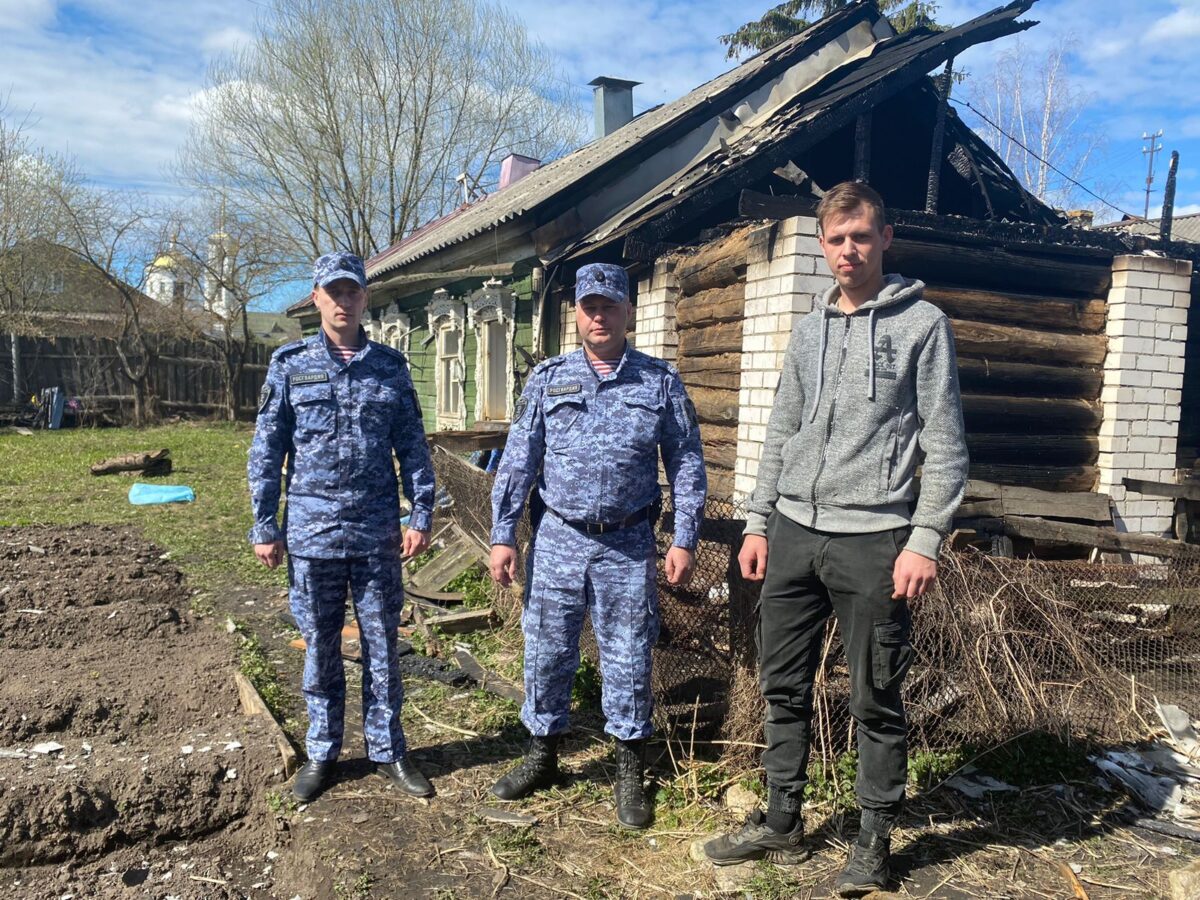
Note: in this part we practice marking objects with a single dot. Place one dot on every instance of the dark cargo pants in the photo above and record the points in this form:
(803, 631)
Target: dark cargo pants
(809, 575)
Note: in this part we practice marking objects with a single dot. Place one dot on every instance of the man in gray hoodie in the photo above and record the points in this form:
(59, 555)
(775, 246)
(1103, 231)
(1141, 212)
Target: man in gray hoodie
(869, 385)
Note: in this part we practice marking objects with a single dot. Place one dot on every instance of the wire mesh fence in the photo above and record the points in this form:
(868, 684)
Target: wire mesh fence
(1002, 645)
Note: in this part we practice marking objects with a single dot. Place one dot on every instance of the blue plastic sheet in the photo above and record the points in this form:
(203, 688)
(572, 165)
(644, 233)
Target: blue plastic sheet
(143, 494)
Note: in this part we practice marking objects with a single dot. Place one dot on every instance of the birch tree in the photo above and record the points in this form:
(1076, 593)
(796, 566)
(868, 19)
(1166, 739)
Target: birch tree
(345, 122)
(1031, 115)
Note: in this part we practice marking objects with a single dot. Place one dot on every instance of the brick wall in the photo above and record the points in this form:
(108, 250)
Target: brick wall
(785, 276)
(1143, 381)
(656, 297)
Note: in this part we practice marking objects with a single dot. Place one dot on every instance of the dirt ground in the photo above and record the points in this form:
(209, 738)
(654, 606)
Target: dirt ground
(158, 783)
(164, 789)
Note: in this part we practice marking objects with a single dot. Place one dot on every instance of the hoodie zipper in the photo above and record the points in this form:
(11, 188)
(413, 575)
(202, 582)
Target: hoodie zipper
(837, 383)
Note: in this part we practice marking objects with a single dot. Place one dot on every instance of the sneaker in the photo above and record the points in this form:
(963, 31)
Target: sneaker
(758, 840)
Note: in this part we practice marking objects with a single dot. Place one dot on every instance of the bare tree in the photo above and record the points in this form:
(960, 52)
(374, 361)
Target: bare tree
(346, 121)
(239, 261)
(113, 234)
(33, 185)
(1030, 114)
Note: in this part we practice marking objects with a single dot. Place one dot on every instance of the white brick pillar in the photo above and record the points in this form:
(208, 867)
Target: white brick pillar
(1143, 381)
(657, 294)
(785, 276)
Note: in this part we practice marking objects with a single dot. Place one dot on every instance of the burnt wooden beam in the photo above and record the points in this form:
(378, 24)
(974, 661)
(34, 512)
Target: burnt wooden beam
(1103, 538)
(1015, 379)
(1168, 210)
(716, 265)
(939, 134)
(1009, 342)
(1012, 308)
(862, 147)
(727, 304)
(1161, 489)
(1036, 415)
(1049, 449)
(1026, 501)
(1046, 478)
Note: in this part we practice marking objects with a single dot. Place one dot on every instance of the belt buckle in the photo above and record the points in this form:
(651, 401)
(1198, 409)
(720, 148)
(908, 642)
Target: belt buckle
(595, 528)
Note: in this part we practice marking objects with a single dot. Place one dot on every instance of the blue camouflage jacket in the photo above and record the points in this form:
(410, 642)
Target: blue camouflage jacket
(337, 425)
(592, 443)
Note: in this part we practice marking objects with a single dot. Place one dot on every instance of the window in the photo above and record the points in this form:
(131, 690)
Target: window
(449, 388)
(493, 338)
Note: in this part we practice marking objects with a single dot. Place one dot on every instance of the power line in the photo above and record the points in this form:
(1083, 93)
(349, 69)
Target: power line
(1051, 165)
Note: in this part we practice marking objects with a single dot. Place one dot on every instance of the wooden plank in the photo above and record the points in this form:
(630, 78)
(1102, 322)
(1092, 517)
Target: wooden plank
(727, 304)
(1010, 307)
(1160, 489)
(460, 554)
(720, 482)
(1103, 538)
(253, 705)
(1059, 415)
(463, 622)
(1011, 343)
(987, 376)
(984, 498)
(716, 265)
(724, 337)
(715, 407)
(488, 681)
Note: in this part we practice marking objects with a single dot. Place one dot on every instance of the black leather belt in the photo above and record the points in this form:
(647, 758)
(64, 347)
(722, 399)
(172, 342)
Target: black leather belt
(637, 518)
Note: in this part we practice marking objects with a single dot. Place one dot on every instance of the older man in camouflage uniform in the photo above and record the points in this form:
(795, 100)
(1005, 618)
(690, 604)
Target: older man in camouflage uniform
(588, 429)
(337, 406)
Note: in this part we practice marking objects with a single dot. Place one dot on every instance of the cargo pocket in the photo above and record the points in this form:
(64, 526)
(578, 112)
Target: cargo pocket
(891, 654)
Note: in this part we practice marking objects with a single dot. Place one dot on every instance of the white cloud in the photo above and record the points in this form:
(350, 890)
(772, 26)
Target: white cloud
(25, 15)
(1182, 24)
(226, 40)
(1187, 209)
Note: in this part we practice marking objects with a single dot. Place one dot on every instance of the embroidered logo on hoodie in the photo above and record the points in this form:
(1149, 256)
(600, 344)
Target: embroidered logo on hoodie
(885, 358)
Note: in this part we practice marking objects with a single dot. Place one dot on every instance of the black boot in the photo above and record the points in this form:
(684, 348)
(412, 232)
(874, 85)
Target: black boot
(633, 807)
(868, 869)
(404, 774)
(312, 778)
(539, 769)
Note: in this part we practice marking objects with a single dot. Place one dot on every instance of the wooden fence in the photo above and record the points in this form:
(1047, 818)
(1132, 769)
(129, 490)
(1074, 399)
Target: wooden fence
(186, 378)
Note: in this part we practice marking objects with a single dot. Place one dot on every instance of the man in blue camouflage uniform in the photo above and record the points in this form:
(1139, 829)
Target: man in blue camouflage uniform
(588, 430)
(336, 407)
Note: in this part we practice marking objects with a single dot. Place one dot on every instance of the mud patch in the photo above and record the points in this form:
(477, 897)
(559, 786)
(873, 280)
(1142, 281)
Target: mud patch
(121, 736)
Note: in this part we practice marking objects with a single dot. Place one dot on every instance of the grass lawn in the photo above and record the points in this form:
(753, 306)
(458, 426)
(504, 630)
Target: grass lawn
(44, 479)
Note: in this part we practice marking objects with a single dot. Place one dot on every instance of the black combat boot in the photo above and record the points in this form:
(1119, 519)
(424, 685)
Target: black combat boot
(539, 769)
(868, 869)
(633, 807)
(312, 778)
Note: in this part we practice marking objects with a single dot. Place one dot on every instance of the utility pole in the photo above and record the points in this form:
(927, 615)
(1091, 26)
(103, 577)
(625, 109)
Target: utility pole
(1150, 151)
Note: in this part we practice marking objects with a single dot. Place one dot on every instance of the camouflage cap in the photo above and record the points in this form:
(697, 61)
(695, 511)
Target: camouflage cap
(602, 280)
(339, 264)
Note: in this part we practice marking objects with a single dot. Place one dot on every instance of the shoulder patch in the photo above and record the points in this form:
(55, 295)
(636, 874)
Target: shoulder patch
(264, 396)
(519, 410)
(289, 347)
(693, 419)
(559, 390)
(307, 377)
(416, 399)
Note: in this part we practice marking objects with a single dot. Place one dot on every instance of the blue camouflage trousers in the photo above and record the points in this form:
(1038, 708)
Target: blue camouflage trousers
(614, 577)
(318, 601)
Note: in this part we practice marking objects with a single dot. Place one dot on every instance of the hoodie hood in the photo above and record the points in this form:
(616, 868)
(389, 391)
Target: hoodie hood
(896, 289)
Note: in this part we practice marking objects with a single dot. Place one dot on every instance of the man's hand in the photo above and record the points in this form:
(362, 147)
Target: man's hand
(503, 564)
(270, 555)
(414, 544)
(680, 565)
(912, 575)
(753, 557)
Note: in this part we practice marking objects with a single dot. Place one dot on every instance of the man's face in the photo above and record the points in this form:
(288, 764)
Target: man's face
(341, 304)
(853, 244)
(602, 324)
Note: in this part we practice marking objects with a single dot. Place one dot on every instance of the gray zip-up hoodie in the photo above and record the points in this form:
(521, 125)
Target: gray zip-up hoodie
(849, 424)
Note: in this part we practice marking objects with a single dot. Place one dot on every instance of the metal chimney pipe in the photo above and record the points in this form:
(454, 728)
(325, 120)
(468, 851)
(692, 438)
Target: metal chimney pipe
(613, 103)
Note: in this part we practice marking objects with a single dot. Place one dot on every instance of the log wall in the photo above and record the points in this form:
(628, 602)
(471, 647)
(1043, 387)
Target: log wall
(708, 316)
(1030, 359)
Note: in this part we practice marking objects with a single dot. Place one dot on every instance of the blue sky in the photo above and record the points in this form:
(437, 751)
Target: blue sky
(114, 82)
